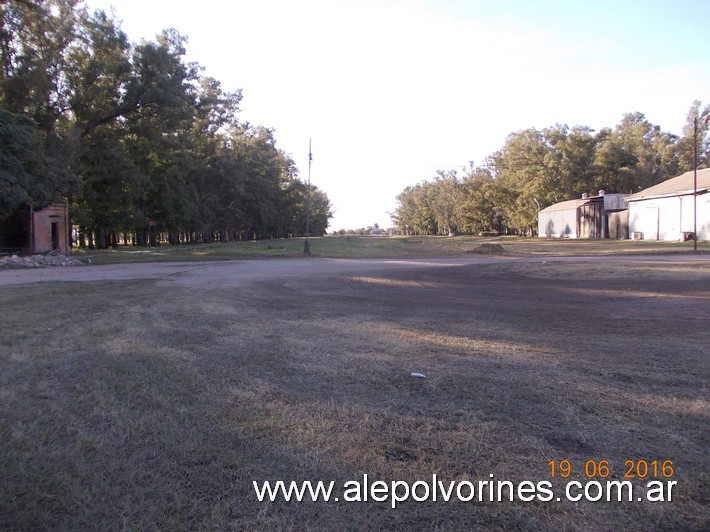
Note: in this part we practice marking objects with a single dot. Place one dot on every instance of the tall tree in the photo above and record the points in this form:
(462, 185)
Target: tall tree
(22, 164)
(34, 40)
(99, 73)
(524, 177)
(635, 155)
(415, 214)
(446, 199)
(479, 201)
(569, 161)
(35, 36)
(695, 130)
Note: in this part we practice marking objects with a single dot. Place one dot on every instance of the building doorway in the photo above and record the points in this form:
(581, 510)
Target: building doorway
(55, 236)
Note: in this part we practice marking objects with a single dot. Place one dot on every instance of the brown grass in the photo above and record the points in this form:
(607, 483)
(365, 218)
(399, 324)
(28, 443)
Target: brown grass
(131, 405)
(395, 247)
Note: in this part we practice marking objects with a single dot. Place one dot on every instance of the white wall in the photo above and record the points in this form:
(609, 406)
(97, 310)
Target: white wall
(667, 218)
(557, 224)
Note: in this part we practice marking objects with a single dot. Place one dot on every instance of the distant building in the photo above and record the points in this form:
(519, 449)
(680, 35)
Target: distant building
(665, 211)
(602, 216)
(32, 231)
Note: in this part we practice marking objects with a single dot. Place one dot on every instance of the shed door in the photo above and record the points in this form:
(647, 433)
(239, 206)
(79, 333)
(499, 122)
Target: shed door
(55, 235)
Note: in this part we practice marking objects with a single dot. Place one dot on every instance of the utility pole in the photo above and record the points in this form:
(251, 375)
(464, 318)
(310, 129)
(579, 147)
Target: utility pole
(306, 244)
(695, 184)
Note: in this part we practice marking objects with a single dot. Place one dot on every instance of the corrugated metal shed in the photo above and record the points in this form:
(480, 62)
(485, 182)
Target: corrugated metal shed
(572, 204)
(615, 202)
(577, 218)
(601, 216)
(667, 211)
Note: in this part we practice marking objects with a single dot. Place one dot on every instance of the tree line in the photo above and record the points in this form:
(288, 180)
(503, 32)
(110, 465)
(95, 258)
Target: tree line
(537, 168)
(134, 138)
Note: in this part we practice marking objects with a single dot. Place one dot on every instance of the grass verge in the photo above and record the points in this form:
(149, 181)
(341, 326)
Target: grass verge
(381, 247)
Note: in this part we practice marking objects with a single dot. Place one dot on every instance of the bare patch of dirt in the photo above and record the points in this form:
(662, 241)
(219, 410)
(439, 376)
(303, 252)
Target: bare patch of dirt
(489, 249)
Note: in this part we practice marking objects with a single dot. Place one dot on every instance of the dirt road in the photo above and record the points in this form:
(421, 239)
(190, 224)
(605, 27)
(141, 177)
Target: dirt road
(244, 272)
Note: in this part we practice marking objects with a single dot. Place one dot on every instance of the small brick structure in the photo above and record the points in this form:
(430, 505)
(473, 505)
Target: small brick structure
(30, 231)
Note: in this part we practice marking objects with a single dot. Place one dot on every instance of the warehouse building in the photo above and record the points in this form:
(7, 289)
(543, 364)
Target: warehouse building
(667, 211)
(601, 216)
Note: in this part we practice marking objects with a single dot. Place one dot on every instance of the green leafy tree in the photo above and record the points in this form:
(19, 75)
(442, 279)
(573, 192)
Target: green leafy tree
(525, 179)
(635, 155)
(108, 200)
(415, 214)
(445, 196)
(34, 41)
(22, 164)
(569, 161)
(479, 202)
(99, 74)
(696, 127)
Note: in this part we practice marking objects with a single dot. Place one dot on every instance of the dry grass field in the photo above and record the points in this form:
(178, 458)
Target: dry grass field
(379, 247)
(154, 404)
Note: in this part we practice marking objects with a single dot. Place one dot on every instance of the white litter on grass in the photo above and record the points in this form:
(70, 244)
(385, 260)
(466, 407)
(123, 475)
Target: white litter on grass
(416, 375)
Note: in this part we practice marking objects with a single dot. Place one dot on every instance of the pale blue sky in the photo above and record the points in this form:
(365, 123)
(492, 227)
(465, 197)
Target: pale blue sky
(392, 90)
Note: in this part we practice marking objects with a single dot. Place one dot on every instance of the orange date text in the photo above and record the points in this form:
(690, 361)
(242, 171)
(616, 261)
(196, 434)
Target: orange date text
(603, 469)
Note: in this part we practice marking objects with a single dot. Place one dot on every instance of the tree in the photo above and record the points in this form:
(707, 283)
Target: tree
(445, 200)
(321, 212)
(524, 179)
(635, 155)
(131, 133)
(108, 200)
(686, 156)
(414, 214)
(22, 164)
(570, 159)
(34, 40)
(479, 202)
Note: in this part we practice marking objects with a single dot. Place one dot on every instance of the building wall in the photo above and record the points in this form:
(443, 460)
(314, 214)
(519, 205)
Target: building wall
(667, 218)
(618, 224)
(557, 224)
(27, 231)
(615, 202)
(50, 230)
(16, 230)
(591, 220)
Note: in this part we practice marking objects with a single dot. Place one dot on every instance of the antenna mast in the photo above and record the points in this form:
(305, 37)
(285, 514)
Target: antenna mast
(306, 244)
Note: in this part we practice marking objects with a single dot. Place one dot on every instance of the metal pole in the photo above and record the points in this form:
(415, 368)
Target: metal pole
(306, 244)
(695, 184)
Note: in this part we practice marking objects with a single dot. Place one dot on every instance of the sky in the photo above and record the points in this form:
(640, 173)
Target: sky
(390, 91)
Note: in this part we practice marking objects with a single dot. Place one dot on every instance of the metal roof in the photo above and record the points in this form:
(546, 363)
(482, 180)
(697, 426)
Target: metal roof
(567, 205)
(676, 186)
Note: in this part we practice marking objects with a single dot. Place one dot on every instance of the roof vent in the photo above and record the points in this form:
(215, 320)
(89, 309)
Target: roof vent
(602, 192)
(585, 195)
